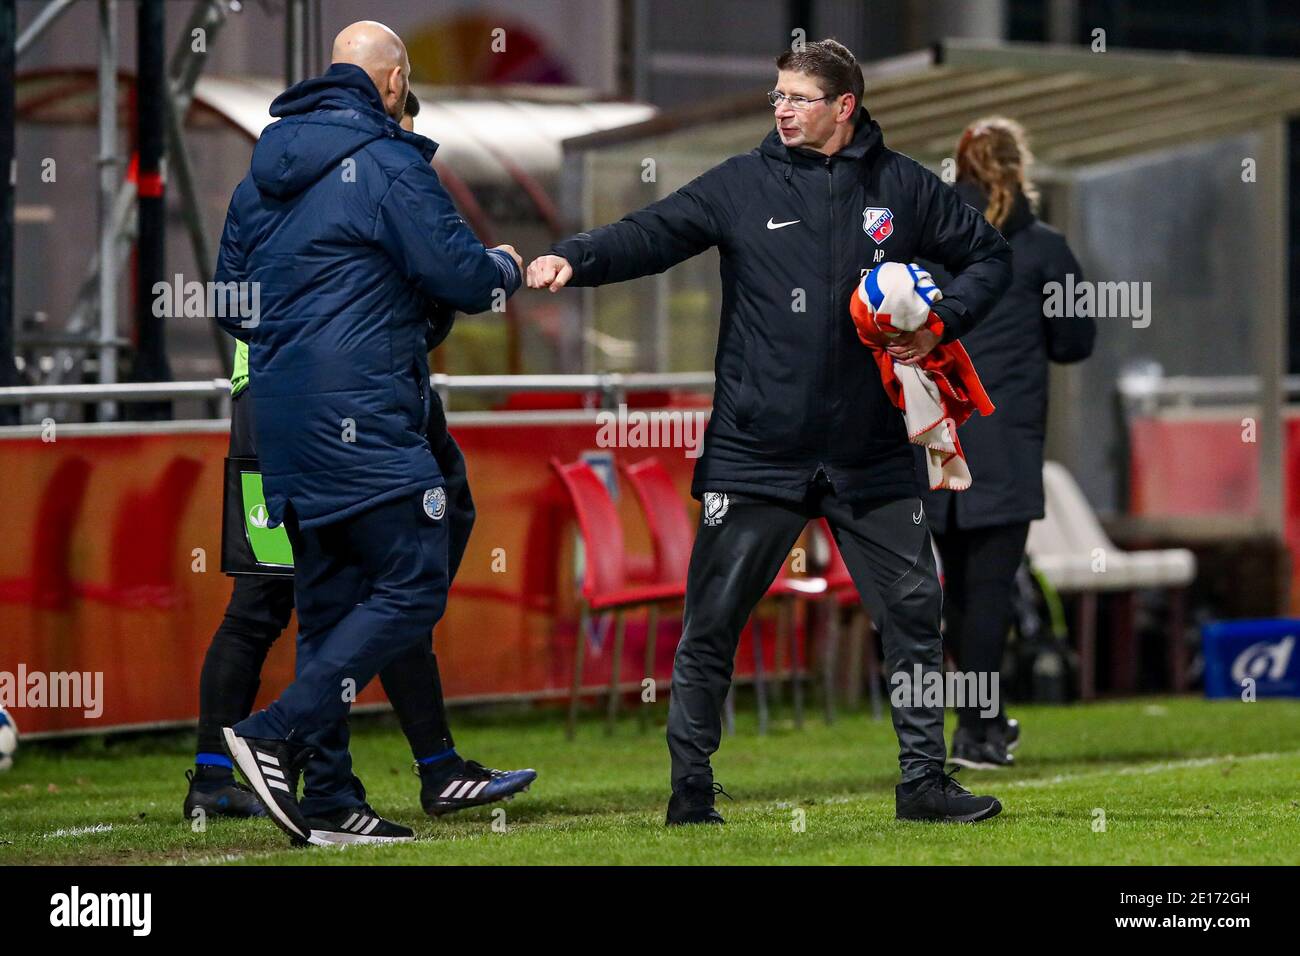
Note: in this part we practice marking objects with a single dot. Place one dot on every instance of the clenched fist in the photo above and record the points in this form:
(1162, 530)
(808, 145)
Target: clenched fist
(910, 347)
(549, 272)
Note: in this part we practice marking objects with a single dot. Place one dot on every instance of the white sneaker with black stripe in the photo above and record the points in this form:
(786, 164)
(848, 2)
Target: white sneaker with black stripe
(271, 768)
(356, 825)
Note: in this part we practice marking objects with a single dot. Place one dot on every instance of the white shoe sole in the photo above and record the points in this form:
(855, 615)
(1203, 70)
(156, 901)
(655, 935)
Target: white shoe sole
(252, 772)
(335, 838)
(976, 764)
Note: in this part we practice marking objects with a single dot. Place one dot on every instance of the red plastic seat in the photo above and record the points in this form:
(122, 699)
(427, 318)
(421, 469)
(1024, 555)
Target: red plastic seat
(862, 641)
(672, 536)
(837, 574)
(787, 592)
(671, 533)
(605, 584)
(788, 584)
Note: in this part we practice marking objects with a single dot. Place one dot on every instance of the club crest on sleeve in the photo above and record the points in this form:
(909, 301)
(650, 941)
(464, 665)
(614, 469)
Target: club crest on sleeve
(715, 507)
(878, 223)
(435, 503)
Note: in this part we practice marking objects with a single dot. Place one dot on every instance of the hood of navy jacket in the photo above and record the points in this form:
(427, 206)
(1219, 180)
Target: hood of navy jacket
(353, 244)
(322, 120)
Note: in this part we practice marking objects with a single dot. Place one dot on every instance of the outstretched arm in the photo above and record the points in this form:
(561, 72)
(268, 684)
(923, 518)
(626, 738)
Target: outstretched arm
(432, 246)
(642, 243)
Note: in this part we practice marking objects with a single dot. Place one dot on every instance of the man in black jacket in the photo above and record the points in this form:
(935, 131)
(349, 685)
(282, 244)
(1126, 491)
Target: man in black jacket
(801, 426)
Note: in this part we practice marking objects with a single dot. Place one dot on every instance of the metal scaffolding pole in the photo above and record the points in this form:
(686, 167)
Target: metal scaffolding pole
(108, 176)
(186, 65)
(40, 24)
(150, 364)
(8, 169)
(295, 41)
(1271, 348)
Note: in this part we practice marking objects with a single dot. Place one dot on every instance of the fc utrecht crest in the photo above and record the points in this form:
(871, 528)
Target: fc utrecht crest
(878, 223)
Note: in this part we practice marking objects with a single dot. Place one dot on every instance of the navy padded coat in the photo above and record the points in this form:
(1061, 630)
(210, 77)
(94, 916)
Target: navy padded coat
(352, 242)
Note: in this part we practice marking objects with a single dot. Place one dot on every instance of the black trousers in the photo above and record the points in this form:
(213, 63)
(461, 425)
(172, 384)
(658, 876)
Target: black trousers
(738, 551)
(979, 569)
(260, 606)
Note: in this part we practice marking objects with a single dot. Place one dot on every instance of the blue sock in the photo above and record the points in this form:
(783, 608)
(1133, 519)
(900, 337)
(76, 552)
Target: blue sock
(436, 758)
(213, 760)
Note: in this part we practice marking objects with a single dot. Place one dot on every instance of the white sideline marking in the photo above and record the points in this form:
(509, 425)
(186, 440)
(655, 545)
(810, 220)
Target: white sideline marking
(77, 831)
(1142, 769)
(1124, 771)
(208, 860)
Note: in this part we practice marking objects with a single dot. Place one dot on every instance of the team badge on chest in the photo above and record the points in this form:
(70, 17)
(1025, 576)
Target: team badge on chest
(878, 223)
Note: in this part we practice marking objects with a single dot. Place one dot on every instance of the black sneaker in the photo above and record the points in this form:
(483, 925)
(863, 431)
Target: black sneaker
(271, 768)
(215, 791)
(987, 752)
(356, 825)
(937, 796)
(451, 785)
(692, 802)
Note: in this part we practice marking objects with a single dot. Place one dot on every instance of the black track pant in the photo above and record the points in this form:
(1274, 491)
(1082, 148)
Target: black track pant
(260, 606)
(886, 545)
(979, 571)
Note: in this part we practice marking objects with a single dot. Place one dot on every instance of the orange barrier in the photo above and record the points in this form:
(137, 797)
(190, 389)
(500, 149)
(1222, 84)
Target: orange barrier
(113, 553)
(113, 546)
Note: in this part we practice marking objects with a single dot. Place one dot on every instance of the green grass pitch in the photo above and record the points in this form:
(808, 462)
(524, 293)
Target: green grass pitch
(1153, 781)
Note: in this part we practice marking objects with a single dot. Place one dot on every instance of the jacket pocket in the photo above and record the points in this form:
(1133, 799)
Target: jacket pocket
(771, 403)
(745, 399)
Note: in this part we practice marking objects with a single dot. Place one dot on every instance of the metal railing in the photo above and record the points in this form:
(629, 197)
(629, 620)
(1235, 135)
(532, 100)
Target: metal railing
(612, 387)
(1139, 393)
(1143, 394)
(122, 392)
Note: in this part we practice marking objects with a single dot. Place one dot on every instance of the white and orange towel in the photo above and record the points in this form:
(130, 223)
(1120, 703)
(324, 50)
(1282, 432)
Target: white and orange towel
(942, 391)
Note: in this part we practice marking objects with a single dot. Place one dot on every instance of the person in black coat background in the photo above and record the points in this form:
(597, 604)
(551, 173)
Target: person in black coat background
(981, 532)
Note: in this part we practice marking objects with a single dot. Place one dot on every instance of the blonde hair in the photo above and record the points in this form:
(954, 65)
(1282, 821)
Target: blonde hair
(993, 153)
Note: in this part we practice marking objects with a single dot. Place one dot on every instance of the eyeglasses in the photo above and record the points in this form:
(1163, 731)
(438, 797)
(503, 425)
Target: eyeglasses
(796, 102)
